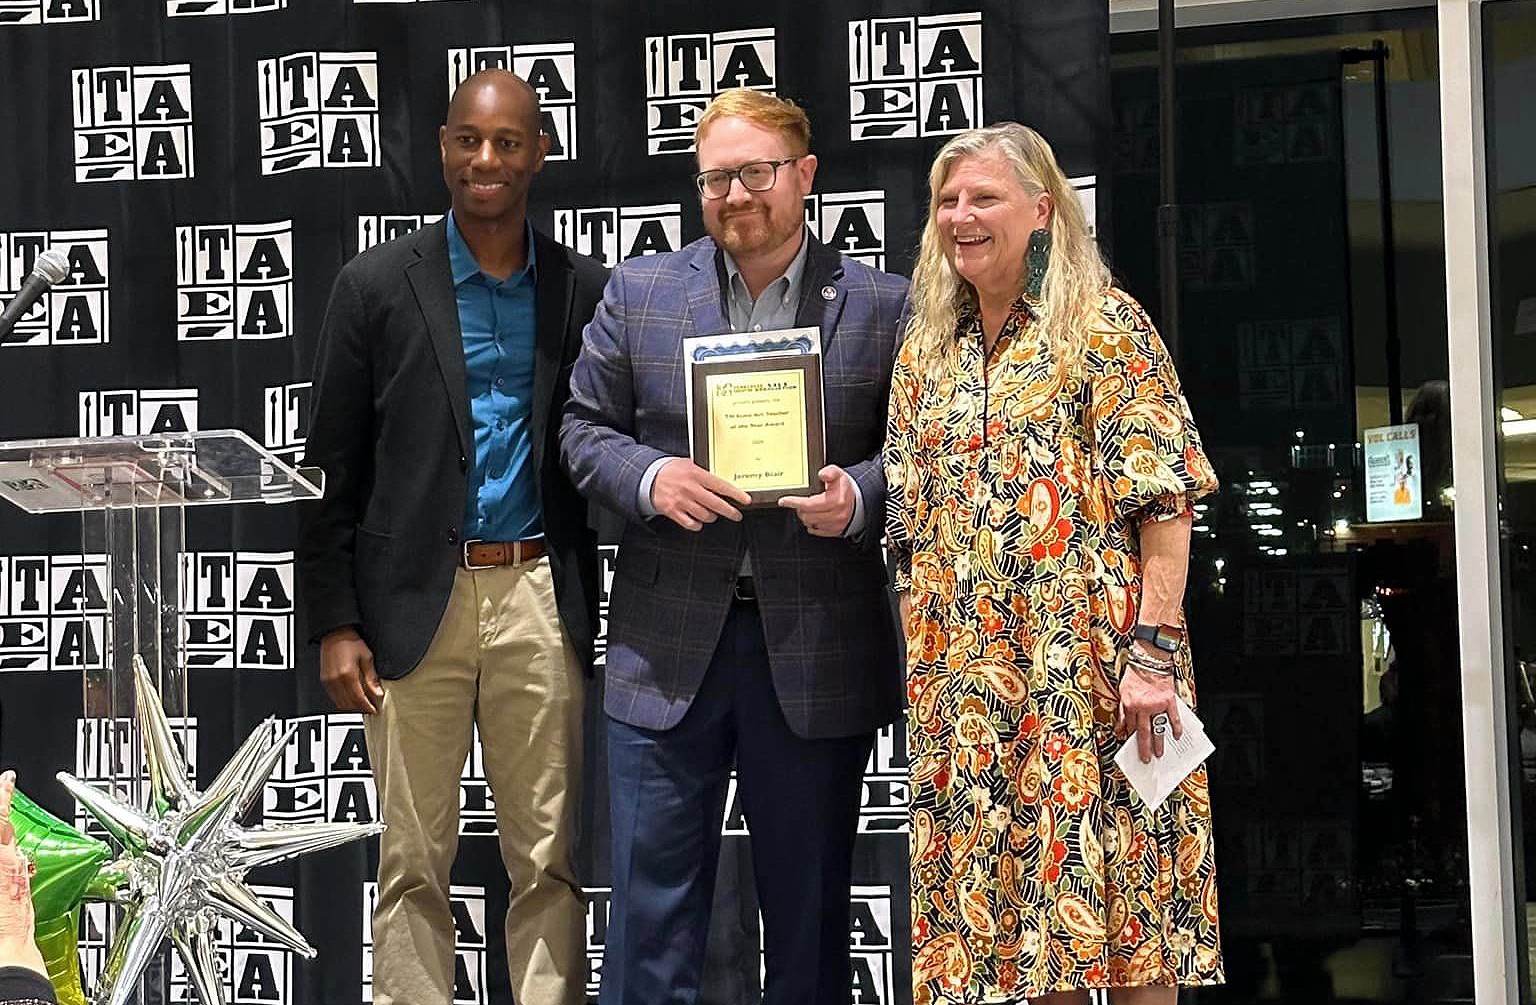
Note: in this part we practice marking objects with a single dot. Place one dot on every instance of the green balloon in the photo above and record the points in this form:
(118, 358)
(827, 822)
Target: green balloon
(58, 941)
(71, 868)
(67, 861)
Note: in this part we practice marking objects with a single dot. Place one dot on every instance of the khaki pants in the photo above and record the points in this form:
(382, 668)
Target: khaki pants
(499, 658)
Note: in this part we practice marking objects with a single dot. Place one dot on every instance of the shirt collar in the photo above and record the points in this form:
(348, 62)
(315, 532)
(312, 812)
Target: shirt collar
(969, 332)
(968, 319)
(462, 261)
(792, 275)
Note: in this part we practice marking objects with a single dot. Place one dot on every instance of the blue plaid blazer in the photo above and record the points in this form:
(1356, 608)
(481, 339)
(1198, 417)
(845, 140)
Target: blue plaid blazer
(830, 634)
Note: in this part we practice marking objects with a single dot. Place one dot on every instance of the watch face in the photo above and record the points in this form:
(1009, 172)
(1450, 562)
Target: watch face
(1161, 636)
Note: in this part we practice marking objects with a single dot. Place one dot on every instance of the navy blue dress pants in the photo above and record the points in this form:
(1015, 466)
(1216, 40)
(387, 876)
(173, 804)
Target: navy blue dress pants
(667, 790)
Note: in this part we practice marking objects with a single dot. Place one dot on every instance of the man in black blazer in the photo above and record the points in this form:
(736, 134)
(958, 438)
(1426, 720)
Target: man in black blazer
(449, 573)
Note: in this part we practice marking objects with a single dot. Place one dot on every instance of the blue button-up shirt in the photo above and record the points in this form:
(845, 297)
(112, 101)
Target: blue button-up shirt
(498, 323)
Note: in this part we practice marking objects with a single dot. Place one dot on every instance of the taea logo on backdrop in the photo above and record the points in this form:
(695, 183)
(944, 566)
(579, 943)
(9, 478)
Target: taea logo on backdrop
(871, 941)
(549, 68)
(286, 419)
(325, 777)
(870, 938)
(318, 109)
(110, 753)
(883, 805)
(871, 946)
(133, 122)
(256, 970)
(237, 609)
(599, 901)
(883, 798)
(683, 72)
(467, 906)
(612, 234)
(234, 281)
(53, 612)
(850, 222)
(213, 8)
(372, 230)
(74, 311)
(132, 412)
(1087, 189)
(914, 76)
(608, 559)
(47, 12)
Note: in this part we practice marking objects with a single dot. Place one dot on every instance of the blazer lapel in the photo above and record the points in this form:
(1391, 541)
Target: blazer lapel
(823, 276)
(702, 284)
(554, 290)
(431, 280)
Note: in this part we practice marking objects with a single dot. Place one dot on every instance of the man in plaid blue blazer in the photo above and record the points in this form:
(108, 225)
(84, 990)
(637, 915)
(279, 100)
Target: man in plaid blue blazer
(762, 638)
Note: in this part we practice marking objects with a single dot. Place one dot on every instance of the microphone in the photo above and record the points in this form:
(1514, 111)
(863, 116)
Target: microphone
(49, 268)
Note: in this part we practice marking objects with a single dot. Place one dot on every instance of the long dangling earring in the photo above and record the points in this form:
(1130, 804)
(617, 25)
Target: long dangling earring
(1038, 259)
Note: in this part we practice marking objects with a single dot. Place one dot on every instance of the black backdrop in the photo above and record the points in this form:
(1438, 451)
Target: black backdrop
(208, 165)
(1276, 638)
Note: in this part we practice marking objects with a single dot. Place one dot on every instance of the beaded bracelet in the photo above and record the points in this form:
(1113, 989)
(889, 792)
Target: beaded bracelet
(1148, 664)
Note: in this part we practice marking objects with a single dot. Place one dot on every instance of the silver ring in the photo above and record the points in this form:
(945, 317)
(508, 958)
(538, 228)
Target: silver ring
(1160, 723)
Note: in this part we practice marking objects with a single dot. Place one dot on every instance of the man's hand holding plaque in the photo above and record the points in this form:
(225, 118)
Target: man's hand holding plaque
(690, 497)
(829, 512)
(757, 424)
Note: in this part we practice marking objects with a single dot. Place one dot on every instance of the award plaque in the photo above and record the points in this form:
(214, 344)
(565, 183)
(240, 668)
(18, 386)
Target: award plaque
(757, 423)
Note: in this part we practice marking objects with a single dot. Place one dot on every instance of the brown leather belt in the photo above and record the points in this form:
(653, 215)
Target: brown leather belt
(490, 554)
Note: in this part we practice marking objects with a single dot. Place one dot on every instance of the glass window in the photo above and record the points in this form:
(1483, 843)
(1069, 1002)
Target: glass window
(1509, 80)
(1322, 598)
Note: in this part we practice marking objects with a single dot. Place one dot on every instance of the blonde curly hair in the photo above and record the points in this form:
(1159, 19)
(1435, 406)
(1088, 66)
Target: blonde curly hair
(1075, 280)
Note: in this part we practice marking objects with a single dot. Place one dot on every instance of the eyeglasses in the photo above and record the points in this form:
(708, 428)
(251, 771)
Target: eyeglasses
(756, 176)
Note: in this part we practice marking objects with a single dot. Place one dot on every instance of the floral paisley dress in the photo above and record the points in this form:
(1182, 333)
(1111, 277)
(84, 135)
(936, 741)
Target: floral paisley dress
(1015, 495)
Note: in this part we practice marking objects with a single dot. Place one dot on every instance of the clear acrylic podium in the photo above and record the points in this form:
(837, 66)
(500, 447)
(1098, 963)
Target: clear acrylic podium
(132, 493)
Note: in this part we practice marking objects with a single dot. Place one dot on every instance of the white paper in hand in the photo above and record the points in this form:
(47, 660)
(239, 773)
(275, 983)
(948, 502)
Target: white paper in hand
(1155, 781)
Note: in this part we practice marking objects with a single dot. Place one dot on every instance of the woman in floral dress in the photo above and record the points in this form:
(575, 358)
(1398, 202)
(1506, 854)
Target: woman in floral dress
(1041, 462)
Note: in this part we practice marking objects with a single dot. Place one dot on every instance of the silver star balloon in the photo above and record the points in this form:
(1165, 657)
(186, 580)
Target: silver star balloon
(186, 855)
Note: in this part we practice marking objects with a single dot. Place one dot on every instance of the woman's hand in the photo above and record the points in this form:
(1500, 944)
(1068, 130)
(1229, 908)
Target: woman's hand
(18, 948)
(1144, 696)
(905, 602)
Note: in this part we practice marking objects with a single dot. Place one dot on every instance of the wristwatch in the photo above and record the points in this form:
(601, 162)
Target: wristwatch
(1168, 638)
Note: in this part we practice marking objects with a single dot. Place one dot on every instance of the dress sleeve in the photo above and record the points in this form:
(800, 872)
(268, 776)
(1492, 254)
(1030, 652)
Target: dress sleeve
(1146, 448)
(901, 476)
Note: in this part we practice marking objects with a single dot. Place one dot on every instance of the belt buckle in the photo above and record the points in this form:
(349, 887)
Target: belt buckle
(464, 555)
(736, 589)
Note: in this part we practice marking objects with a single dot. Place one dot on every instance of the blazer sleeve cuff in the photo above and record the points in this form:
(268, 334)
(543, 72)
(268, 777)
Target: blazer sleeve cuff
(643, 494)
(637, 464)
(869, 477)
(324, 620)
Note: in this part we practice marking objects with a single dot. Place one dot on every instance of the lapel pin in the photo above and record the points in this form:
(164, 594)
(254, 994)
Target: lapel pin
(829, 293)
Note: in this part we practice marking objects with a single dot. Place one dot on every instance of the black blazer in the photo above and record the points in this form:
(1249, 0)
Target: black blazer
(390, 426)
